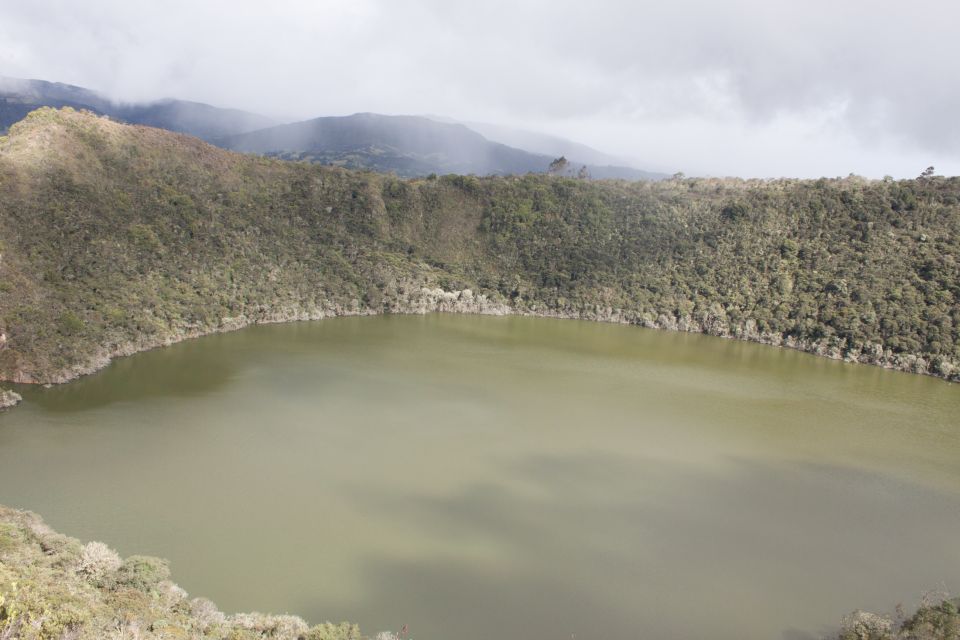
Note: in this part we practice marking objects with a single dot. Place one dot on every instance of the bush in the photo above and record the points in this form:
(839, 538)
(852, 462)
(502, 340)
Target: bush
(932, 621)
(270, 626)
(733, 211)
(329, 631)
(97, 561)
(71, 323)
(206, 614)
(39, 606)
(861, 625)
(142, 572)
(54, 588)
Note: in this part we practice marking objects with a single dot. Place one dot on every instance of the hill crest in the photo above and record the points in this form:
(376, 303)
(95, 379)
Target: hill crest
(117, 238)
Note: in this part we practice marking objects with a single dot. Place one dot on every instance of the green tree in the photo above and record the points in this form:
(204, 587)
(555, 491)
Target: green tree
(559, 166)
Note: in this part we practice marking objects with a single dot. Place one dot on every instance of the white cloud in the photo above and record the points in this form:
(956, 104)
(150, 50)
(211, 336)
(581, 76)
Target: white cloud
(754, 87)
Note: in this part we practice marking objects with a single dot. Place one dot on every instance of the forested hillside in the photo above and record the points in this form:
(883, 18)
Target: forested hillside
(116, 238)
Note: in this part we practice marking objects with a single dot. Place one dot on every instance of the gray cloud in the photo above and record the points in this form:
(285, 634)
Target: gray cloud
(752, 87)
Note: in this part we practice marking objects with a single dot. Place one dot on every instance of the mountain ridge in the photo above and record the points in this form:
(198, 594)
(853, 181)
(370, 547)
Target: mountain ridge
(411, 146)
(398, 146)
(18, 97)
(547, 144)
(117, 238)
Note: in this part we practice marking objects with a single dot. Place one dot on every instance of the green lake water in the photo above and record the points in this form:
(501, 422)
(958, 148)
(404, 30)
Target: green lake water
(518, 478)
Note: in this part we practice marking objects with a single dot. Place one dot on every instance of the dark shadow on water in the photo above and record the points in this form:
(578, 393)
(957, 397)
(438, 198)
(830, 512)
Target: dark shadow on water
(471, 604)
(807, 532)
(184, 369)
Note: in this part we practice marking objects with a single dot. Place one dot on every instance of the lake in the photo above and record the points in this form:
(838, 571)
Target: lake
(484, 477)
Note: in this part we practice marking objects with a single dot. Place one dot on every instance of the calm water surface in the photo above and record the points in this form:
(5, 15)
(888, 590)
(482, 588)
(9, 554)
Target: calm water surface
(481, 478)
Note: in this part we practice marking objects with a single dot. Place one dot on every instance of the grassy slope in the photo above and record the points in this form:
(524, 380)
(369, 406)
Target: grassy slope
(116, 238)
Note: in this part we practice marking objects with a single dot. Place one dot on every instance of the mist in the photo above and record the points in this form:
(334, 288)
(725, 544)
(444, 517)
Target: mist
(749, 88)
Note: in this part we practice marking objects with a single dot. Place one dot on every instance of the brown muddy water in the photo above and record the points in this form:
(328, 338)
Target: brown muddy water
(481, 477)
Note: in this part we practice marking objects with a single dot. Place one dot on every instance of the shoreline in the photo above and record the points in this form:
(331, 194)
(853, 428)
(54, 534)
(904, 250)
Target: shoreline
(436, 300)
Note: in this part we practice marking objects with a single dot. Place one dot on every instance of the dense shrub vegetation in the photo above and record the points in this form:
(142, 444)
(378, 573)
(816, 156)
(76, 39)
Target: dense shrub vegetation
(936, 619)
(115, 238)
(54, 587)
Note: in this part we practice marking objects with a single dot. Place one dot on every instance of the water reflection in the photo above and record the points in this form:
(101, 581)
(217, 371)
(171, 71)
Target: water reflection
(506, 477)
(189, 369)
(607, 546)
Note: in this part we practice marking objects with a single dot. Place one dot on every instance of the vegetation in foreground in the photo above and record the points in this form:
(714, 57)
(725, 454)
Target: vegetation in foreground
(8, 398)
(53, 587)
(116, 238)
(936, 619)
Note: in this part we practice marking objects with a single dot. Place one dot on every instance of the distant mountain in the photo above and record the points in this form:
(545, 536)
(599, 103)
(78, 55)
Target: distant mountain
(20, 97)
(407, 145)
(602, 165)
(536, 142)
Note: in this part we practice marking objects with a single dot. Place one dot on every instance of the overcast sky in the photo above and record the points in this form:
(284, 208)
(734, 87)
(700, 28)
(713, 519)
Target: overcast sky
(748, 87)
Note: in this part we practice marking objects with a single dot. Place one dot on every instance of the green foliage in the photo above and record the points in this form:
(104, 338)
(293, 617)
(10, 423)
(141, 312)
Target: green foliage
(142, 238)
(39, 605)
(145, 238)
(70, 323)
(734, 211)
(932, 621)
(789, 249)
(8, 538)
(143, 573)
(328, 631)
(48, 592)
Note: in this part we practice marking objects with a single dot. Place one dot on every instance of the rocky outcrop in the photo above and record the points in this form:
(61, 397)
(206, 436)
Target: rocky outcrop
(407, 298)
(428, 300)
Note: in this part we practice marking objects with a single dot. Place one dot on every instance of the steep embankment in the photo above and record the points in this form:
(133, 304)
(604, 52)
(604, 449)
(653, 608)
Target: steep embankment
(118, 238)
